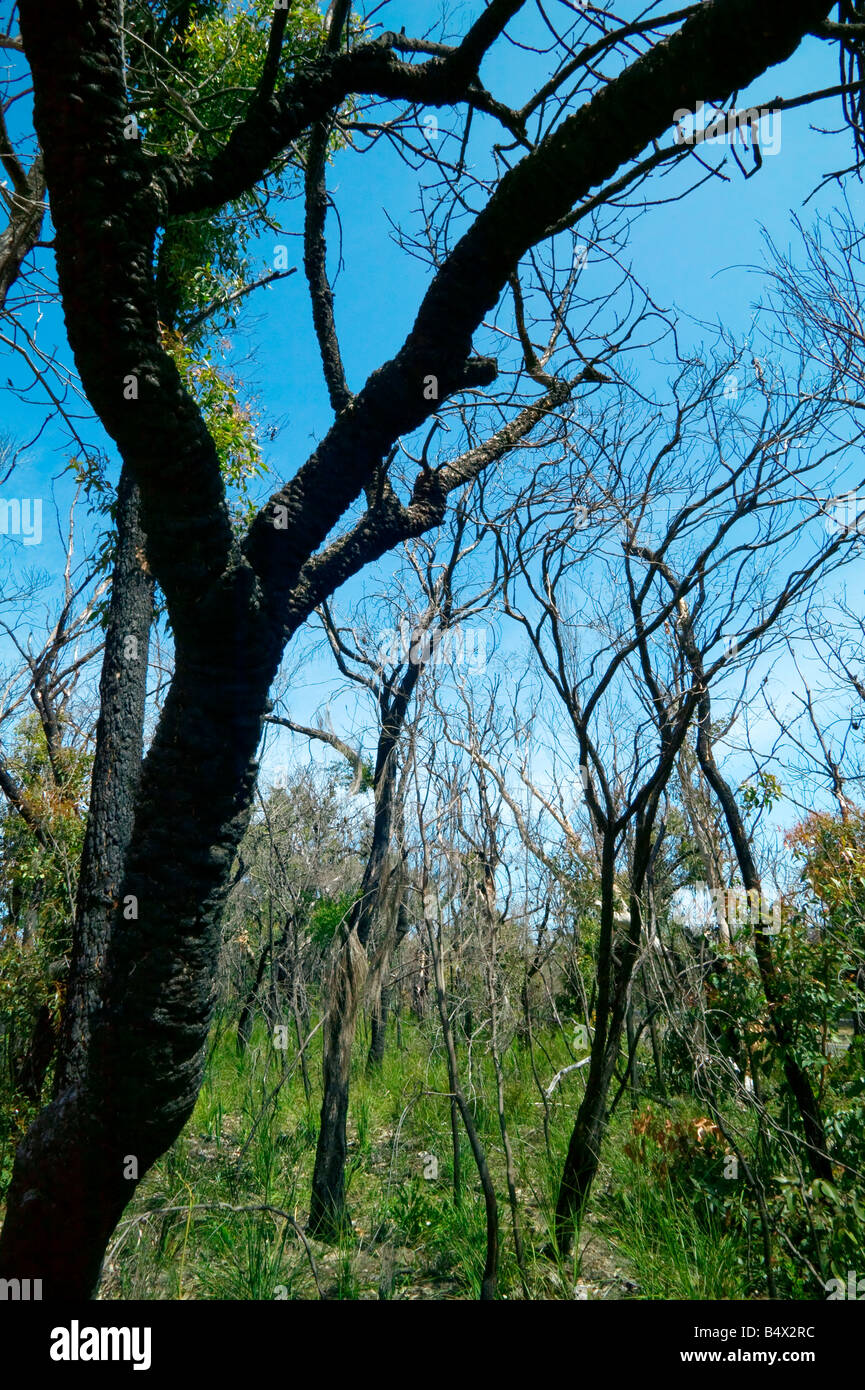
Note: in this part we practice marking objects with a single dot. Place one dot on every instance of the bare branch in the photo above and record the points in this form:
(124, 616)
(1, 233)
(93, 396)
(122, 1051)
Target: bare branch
(315, 264)
(325, 736)
(225, 300)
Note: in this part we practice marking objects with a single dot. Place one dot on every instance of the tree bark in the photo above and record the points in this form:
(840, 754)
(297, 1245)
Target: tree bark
(617, 959)
(328, 1215)
(244, 1022)
(489, 1278)
(381, 1006)
(114, 783)
(584, 1148)
(29, 1072)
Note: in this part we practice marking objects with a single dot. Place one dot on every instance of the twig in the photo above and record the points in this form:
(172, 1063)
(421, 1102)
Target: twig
(575, 1066)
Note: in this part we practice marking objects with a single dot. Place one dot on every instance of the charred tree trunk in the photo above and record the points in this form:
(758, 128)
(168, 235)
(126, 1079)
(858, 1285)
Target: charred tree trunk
(584, 1147)
(30, 1070)
(489, 1279)
(617, 959)
(653, 1034)
(244, 1023)
(26, 210)
(378, 1030)
(114, 783)
(78, 1165)
(631, 1067)
(381, 1006)
(328, 1214)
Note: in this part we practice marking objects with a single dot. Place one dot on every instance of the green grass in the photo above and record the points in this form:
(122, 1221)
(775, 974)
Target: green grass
(251, 1143)
(676, 1250)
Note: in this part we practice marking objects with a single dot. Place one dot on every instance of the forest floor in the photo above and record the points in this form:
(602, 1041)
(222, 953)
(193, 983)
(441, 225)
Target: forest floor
(222, 1214)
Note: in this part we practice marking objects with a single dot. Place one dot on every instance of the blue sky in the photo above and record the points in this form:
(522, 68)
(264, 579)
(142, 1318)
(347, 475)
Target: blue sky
(696, 255)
